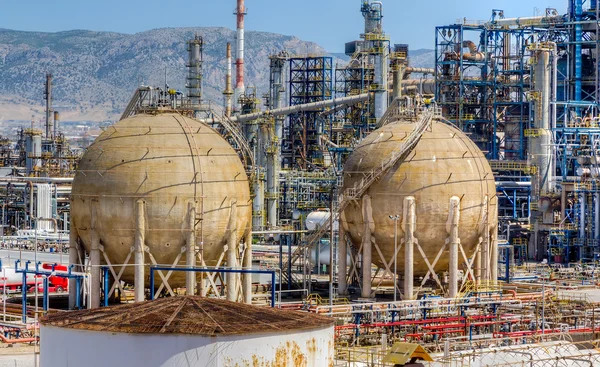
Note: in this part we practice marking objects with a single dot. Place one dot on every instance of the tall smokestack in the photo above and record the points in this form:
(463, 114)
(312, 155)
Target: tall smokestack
(228, 92)
(239, 62)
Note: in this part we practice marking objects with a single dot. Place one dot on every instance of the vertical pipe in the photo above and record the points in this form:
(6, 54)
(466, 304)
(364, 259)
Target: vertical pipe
(247, 264)
(478, 265)
(342, 261)
(578, 54)
(494, 256)
(94, 259)
(239, 62)
(73, 261)
(232, 246)
(56, 123)
(367, 249)
(48, 97)
(597, 216)
(453, 242)
(139, 244)
(397, 82)
(106, 285)
(582, 209)
(190, 255)
(228, 92)
(409, 242)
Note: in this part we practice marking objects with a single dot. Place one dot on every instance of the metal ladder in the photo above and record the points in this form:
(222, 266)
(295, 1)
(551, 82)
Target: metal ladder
(356, 192)
(134, 102)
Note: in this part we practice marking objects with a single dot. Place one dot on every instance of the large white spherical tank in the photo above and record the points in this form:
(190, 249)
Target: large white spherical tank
(445, 163)
(167, 161)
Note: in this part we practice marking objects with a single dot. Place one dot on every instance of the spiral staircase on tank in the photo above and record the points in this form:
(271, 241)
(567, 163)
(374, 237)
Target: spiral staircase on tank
(425, 117)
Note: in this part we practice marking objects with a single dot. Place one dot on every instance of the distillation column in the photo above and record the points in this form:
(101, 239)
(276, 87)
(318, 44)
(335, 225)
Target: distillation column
(228, 92)
(376, 42)
(540, 144)
(277, 63)
(194, 78)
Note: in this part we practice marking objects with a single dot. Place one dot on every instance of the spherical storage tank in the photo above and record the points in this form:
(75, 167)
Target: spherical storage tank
(445, 163)
(168, 161)
(186, 331)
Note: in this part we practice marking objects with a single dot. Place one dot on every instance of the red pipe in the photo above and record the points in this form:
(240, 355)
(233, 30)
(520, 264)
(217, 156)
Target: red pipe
(15, 341)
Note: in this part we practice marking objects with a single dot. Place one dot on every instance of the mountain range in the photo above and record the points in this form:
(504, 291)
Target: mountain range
(95, 73)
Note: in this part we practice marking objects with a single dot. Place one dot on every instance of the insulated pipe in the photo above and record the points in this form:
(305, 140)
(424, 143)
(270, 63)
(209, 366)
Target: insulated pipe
(397, 83)
(239, 62)
(453, 242)
(190, 254)
(139, 244)
(409, 70)
(232, 246)
(367, 249)
(523, 21)
(299, 108)
(94, 259)
(228, 92)
(247, 265)
(409, 241)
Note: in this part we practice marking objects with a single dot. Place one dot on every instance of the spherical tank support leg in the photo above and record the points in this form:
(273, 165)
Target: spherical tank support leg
(190, 254)
(453, 242)
(74, 256)
(247, 264)
(140, 231)
(409, 230)
(232, 246)
(94, 260)
(367, 247)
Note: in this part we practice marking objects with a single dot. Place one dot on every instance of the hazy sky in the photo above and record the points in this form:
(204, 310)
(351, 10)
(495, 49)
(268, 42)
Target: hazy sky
(330, 23)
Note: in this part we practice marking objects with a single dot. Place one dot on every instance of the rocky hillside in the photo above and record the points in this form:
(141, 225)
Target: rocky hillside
(95, 73)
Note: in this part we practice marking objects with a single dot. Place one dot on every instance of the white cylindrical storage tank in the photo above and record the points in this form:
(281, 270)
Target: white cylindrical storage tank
(186, 331)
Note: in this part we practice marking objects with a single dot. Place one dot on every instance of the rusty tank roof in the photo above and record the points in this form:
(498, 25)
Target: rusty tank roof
(192, 315)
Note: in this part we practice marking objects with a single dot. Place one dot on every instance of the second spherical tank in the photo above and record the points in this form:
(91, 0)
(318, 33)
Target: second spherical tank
(168, 161)
(445, 163)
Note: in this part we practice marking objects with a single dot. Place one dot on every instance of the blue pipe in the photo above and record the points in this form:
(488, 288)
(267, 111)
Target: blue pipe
(78, 292)
(578, 55)
(203, 270)
(46, 297)
(24, 297)
(105, 270)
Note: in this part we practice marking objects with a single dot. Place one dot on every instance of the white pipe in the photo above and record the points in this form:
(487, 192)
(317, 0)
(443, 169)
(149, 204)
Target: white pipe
(522, 21)
(453, 242)
(410, 225)
(299, 108)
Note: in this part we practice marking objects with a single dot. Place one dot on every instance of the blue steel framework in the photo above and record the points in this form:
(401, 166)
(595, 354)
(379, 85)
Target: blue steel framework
(482, 86)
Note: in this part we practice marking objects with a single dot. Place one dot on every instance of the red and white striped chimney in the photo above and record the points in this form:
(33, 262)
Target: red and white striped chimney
(239, 62)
